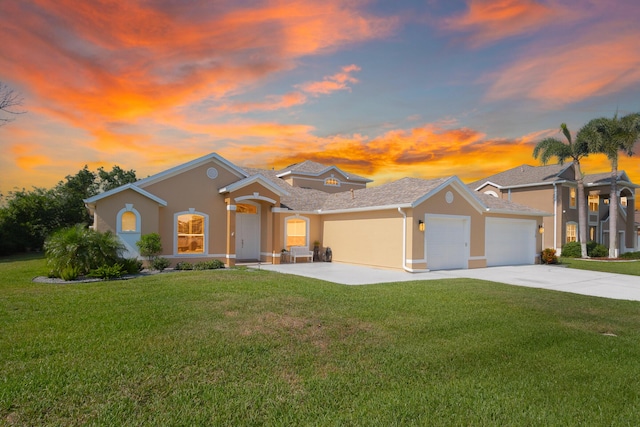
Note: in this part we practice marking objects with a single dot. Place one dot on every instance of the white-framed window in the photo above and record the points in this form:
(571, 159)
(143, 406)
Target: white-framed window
(332, 181)
(128, 220)
(296, 231)
(572, 232)
(623, 201)
(572, 198)
(594, 202)
(190, 232)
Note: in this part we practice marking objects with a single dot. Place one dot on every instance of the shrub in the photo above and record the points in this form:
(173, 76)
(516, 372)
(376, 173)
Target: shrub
(209, 265)
(108, 272)
(78, 250)
(572, 250)
(630, 255)
(160, 263)
(549, 256)
(183, 265)
(150, 246)
(131, 265)
(597, 251)
(69, 273)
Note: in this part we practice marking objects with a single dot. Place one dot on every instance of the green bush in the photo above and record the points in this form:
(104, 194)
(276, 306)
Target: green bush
(630, 255)
(597, 250)
(150, 246)
(131, 265)
(572, 250)
(81, 249)
(209, 265)
(69, 273)
(183, 265)
(160, 263)
(108, 272)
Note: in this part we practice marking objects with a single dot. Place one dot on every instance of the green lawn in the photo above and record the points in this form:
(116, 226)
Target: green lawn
(622, 267)
(241, 347)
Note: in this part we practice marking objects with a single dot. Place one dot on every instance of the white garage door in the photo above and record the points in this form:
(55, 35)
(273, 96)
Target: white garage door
(510, 241)
(447, 242)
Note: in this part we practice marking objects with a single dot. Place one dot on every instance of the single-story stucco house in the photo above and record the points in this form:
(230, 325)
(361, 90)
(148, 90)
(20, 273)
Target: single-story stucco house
(210, 208)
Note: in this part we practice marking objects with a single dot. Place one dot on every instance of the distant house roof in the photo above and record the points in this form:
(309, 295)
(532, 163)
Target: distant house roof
(526, 175)
(311, 168)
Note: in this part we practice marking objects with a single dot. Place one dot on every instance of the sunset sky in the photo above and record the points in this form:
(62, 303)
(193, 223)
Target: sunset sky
(384, 89)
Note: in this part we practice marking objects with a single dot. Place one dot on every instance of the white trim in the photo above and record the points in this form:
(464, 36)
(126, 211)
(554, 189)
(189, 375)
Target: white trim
(307, 228)
(251, 180)
(128, 208)
(417, 261)
(462, 189)
(232, 208)
(256, 196)
(134, 187)
(230, 256)
(365, 209)
(176, 170)
(327, 169)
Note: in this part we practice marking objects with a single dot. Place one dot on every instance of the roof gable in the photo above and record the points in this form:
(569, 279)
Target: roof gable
(241, 174)
(133, 187)
(311, 168)
(258, 178)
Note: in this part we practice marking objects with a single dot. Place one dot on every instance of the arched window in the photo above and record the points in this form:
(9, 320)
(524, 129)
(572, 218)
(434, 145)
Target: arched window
(333, 182)
(191, 233)
(129, 222)
(296, 232)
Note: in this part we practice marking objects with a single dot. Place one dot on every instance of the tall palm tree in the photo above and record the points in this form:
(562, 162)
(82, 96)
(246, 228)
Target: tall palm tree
(610, 136)
(574, 150)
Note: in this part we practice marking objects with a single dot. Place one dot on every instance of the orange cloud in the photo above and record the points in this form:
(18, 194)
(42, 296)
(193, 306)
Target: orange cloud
(338, 81)
(490, 20)
(566, 74)
(93, 63)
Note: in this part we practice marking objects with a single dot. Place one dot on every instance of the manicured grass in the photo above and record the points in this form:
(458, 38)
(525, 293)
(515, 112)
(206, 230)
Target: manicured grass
(622, 267)
(249, 347)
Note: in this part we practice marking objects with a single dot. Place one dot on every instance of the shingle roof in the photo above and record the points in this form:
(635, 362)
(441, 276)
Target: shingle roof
(309, 167)
(525, 174)
(404, 191)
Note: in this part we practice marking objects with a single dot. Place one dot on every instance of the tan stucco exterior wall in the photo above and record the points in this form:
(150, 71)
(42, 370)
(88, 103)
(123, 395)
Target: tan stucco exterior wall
(105, 214)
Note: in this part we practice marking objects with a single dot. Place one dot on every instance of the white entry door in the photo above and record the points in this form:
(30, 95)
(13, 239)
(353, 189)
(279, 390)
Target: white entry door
(247, 232)
(447, 242)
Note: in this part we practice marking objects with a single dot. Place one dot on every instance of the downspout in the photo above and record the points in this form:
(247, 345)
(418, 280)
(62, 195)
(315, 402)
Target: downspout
(555, 216)
(404, 244)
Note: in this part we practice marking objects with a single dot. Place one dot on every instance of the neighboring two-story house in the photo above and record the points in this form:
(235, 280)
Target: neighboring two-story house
(553, 189)
(210, 208)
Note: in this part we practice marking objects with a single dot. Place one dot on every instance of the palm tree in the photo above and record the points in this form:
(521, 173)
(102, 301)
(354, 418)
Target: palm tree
(609, 136)
(574, 150)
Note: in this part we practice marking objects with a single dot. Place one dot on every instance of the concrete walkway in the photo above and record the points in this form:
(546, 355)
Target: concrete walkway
(607, 285)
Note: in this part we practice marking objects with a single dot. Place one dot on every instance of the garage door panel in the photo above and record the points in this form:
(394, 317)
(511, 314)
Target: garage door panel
(510, 241)
(446, 243)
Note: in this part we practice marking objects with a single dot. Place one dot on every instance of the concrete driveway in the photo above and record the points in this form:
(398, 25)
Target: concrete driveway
(607, 285)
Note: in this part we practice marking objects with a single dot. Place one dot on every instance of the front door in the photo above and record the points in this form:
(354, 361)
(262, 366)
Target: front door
(247, 232)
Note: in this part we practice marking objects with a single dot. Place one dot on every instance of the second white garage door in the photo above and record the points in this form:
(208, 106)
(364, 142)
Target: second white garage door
(510, 241)
(447, 242)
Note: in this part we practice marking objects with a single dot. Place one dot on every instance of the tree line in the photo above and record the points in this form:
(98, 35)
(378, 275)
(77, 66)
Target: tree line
(27, 217)
(608, 136)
